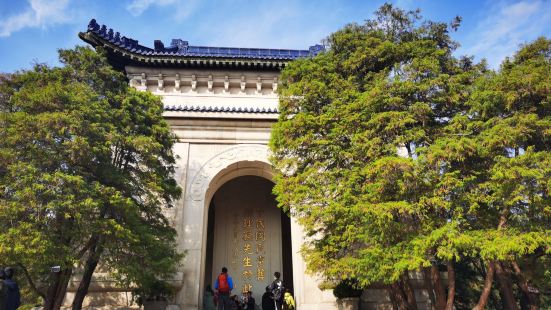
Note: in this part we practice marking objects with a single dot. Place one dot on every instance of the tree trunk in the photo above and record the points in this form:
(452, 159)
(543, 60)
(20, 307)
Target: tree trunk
(392, 297)
(89, 268)
(57, 289)
(397, 296)
(49, 300)
(439, 291)
(410, 294)
(451, 286)
(505, 287)
(427, 277)
(523, 284)
(483, 300)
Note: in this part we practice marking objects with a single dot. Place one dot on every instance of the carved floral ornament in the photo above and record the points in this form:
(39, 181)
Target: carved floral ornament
(214, 165)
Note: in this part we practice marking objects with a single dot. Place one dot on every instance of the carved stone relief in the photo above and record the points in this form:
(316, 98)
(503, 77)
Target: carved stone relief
(232, 155)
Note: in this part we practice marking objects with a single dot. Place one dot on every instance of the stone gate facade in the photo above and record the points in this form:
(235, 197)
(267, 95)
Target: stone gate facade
(221, 104)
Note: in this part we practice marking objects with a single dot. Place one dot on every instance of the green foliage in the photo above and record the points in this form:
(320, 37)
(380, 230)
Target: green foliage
(86, 167)
(393, 154)
(347, 288)
(153, 291)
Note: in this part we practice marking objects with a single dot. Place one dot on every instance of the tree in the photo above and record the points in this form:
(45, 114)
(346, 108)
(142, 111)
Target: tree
(507, 120)
(85, 169)
(380, 156)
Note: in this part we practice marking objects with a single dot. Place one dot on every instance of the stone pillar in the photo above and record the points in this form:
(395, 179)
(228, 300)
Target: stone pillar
(307, 294)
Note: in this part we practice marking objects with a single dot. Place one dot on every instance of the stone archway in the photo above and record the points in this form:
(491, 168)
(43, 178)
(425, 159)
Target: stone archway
(202, 182)
(248, 159)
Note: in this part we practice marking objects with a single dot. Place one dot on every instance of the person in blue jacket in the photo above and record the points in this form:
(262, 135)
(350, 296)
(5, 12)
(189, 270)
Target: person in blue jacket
(224, 286)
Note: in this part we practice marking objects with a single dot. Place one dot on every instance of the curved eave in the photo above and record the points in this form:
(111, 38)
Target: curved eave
(120, 58)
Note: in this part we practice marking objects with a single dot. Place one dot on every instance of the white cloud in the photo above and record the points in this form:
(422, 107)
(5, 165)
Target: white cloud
(181, 8)
(506, 28)
(41, 13)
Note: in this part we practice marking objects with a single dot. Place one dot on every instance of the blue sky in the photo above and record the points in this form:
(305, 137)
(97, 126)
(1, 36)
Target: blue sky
(33, 30)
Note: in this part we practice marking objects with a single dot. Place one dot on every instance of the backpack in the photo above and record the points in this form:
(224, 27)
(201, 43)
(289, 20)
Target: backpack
(277, 290)
(223, 286)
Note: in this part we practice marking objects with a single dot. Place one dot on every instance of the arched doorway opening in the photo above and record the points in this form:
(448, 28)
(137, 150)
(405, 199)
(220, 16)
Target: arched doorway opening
(248, 234)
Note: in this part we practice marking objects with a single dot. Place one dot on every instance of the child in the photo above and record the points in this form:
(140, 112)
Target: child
(288, 301)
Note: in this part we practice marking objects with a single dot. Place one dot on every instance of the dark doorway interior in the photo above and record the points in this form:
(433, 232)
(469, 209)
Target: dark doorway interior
(287, 254)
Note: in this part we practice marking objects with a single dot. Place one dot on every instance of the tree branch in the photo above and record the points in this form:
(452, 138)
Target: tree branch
(31, 282)
(88, 245)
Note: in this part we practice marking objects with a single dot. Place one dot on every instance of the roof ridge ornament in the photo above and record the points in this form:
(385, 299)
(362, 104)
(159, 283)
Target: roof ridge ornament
(93, 25)
(159, 46)
(180, 45)
(316, 49)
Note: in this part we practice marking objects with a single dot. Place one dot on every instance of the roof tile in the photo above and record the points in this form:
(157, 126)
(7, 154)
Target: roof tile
(181, 48)
(186, 108)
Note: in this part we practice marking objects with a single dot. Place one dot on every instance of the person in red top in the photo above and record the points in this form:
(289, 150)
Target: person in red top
(224, 286)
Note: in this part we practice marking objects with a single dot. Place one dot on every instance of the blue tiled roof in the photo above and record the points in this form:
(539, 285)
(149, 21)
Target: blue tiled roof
(180, 48)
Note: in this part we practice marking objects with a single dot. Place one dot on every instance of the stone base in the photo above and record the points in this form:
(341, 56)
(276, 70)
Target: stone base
(350, 303)
(155, 305)
(105, 300)
(371, 299)
(379, 299)
(319, 306)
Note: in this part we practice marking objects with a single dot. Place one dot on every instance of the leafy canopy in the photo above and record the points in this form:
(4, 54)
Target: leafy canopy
(392, 153)
(86, 166)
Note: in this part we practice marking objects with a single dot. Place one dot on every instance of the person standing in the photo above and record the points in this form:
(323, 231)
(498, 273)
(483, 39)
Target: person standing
(224, 286)
(267, 300)
(13, 299)
(277, 289)
(208, 299)
(3, 290)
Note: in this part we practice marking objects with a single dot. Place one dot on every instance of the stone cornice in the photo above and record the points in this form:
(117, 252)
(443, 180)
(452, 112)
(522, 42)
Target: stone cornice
(205, 83)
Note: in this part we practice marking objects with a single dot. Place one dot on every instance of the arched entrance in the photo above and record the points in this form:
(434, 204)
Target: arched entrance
(207, 178)
(248, 234)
